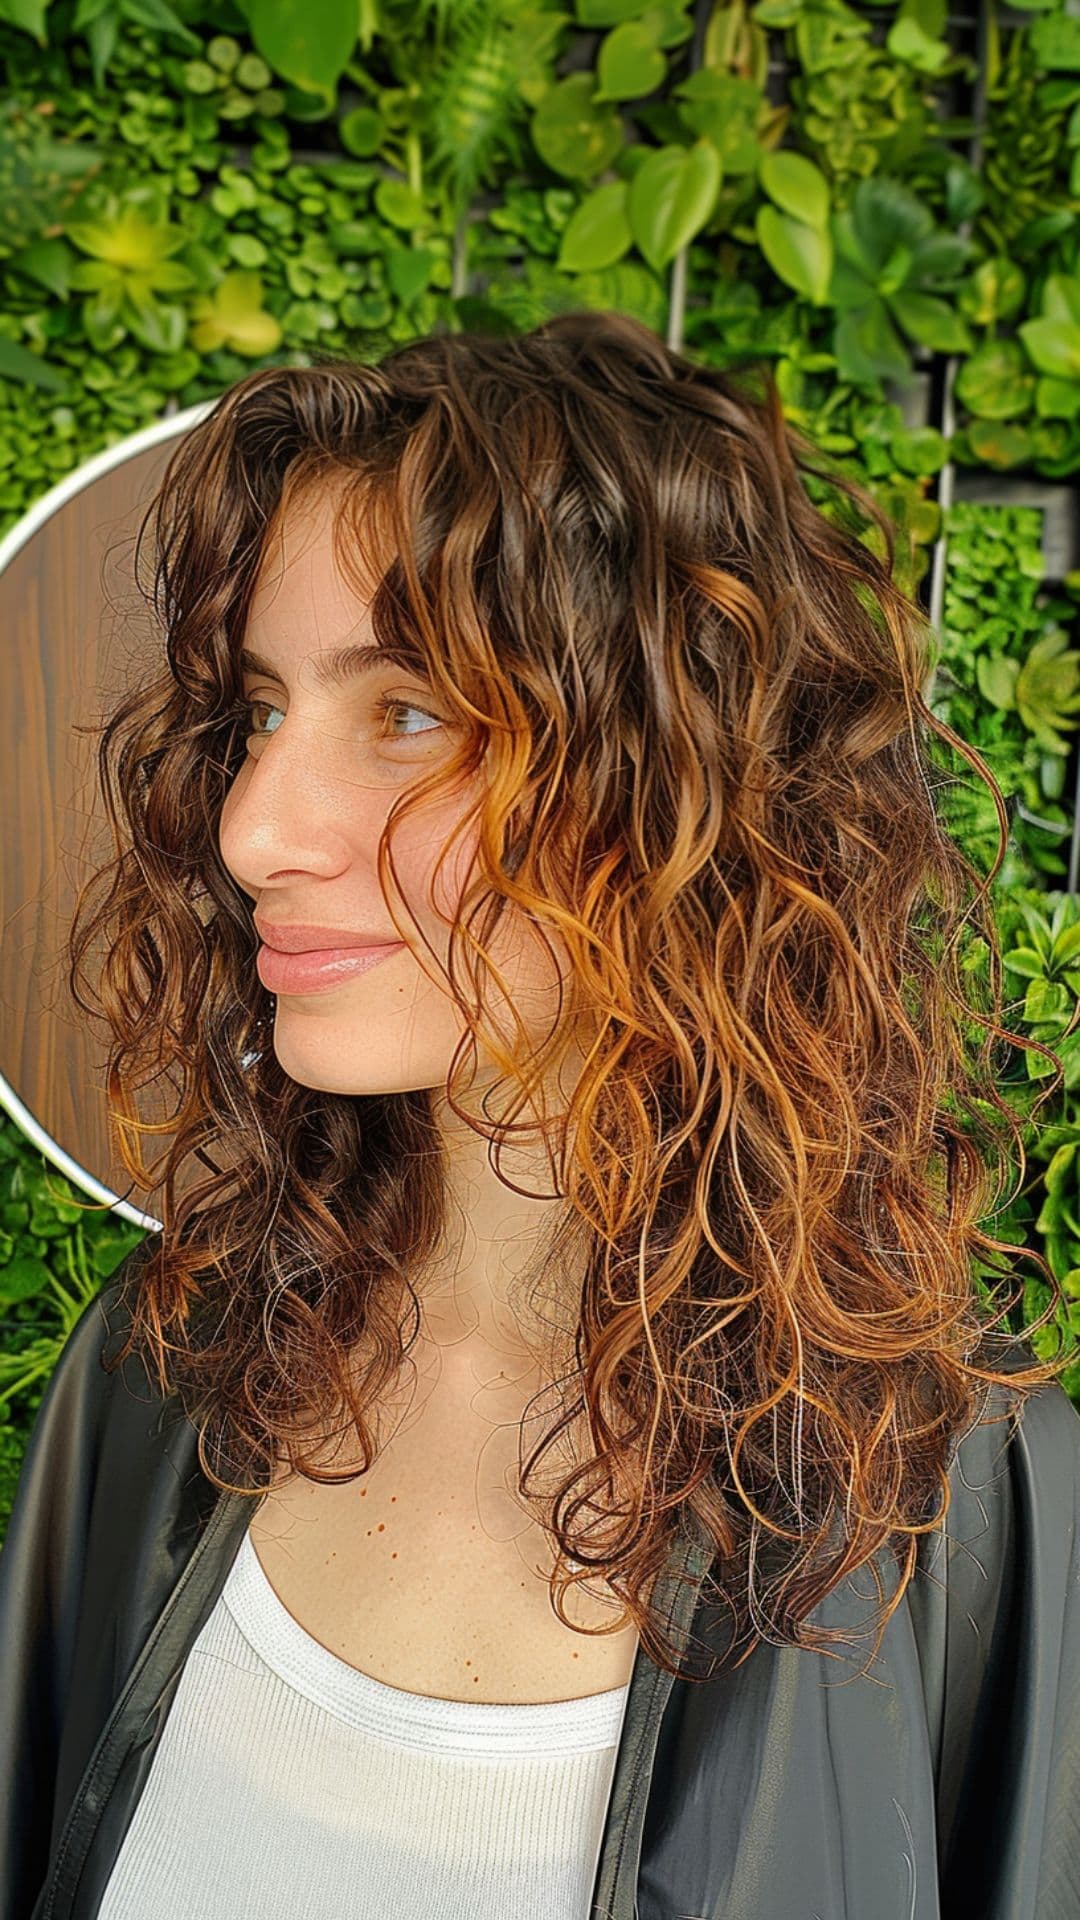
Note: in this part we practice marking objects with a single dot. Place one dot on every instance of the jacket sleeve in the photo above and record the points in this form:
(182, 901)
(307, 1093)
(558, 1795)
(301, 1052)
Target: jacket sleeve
(41, 1567)
(1000, 1645)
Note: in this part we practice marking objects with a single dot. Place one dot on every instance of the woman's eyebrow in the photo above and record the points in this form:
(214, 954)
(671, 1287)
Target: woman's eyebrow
(336, 665)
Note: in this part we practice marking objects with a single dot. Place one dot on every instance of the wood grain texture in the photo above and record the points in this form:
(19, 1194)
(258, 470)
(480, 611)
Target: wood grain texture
(77, 632)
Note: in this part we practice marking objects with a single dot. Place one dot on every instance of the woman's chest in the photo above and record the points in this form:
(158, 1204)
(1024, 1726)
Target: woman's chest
(434, 1579)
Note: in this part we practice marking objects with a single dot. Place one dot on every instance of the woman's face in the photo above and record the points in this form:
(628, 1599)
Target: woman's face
(301, 823)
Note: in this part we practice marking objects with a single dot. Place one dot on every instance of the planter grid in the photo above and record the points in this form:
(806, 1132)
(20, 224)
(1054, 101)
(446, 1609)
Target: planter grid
(929, 400)
(1055, 498)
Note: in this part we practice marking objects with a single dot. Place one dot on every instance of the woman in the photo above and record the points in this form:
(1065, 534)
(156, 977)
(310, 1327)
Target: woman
(546, 783)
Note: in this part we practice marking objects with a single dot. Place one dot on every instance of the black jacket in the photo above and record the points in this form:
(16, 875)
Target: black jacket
(942, 1785)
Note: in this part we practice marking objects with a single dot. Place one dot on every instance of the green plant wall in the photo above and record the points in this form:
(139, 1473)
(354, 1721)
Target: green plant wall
(881, 200)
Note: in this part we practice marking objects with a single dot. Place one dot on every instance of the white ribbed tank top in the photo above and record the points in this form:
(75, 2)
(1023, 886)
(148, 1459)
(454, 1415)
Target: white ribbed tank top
(288, 1785)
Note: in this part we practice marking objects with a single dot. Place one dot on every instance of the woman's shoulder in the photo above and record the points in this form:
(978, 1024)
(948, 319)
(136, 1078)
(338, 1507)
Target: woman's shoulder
(80, 1374)
(93, 1417)
(1014, 1490)
(994, 1596)
(1028, 1445)
(995, 1608)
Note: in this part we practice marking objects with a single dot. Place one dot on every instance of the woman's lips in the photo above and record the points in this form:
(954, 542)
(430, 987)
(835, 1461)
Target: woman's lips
(320, 970)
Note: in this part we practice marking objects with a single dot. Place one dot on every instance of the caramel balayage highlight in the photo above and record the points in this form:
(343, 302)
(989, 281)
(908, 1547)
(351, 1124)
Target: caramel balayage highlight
(698, 708)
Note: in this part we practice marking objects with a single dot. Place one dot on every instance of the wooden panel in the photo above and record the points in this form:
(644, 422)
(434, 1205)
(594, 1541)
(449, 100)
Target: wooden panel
(76, 630)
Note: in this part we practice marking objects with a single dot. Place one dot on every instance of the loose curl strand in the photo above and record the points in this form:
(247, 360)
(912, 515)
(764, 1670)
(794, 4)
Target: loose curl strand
(698, 701)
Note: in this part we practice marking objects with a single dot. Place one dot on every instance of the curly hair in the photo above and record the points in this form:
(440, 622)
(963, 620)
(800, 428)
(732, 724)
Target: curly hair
(699, 699)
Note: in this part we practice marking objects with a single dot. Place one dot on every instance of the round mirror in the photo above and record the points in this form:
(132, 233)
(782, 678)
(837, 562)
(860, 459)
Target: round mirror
(78, 631)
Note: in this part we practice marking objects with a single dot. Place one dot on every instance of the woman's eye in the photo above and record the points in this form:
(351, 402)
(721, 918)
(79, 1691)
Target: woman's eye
(385, 707)
(249, 709)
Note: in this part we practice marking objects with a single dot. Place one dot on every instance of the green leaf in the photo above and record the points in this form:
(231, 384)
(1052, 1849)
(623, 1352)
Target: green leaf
(308, 42)
(670, 198)
(172, 277)
(574, 135)
(233, 315)
(930, 321)
(868, 347)
(886, 215)
(361, 131)
(90, 276)
(724, 108)
(27, 369)
(102, 321)
(49, 262)
(630, 63)
(156, 15)
(608, 13)
(1000, 446)
(1054, 346)
(28, 16)
(399, 204)
(919, 450)
(1057, 399)
(1025, 961)
(408, 270)
(906, 41)
(849, 289)
(800, 255)
(158, 327)
(598, 231)
(996, 382)
(796, 185)
(941, 256)
(24, 1278)
(995, 291)
(849, 252)
(777, 13)
(1055, 43)
(113, 1243)
(1061, 297)
(932, 15)
(997, 676)
(1066, 947)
